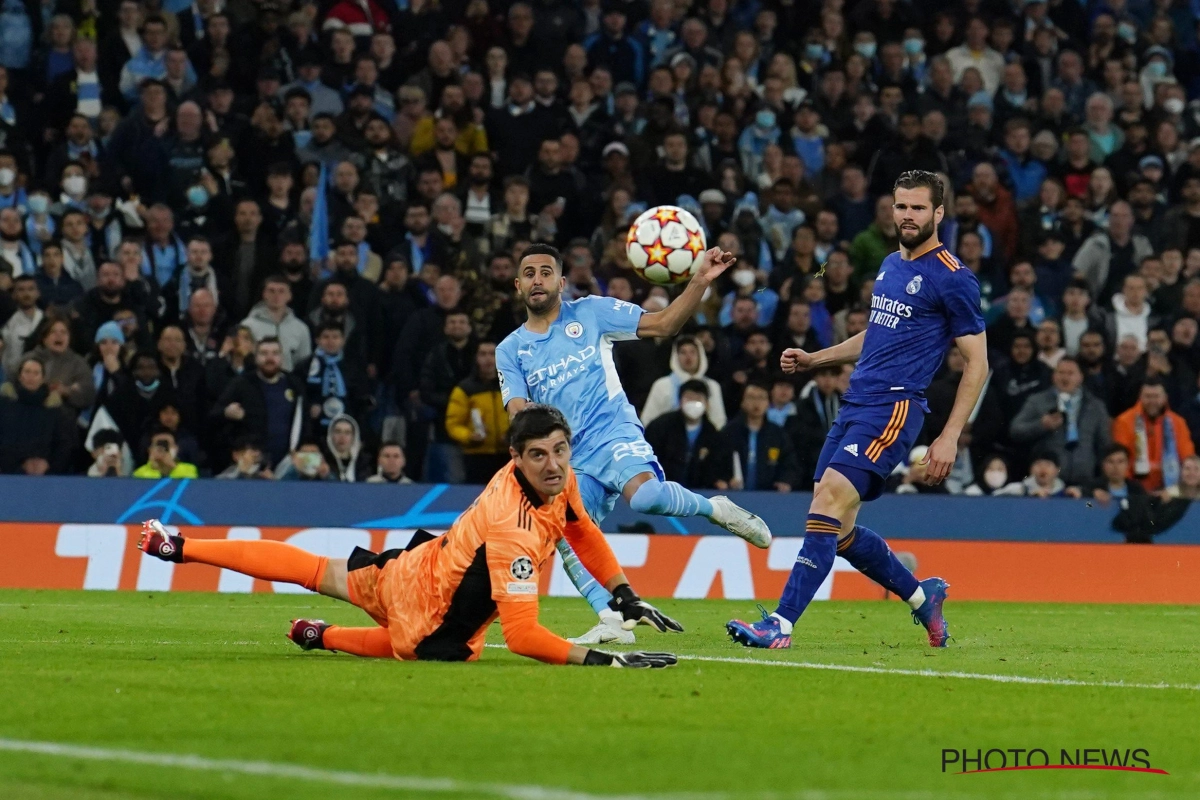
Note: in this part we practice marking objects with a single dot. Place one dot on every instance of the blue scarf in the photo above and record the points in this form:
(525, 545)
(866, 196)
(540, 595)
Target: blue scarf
(1070, 409)
(327, 374)
(161, 262)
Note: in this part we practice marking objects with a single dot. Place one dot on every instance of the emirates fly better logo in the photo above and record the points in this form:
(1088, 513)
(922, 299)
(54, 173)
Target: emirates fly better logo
(967, 761)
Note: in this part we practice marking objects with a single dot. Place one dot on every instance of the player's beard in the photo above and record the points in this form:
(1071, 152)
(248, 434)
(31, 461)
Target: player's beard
(913, 241)
(540, 305)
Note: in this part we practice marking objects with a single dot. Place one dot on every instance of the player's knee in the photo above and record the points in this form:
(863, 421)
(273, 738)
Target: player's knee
(650, 498)
(835, 496)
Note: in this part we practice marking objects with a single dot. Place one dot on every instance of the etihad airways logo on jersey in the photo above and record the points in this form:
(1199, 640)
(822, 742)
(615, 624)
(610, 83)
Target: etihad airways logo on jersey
(563, 370)
(888, 312)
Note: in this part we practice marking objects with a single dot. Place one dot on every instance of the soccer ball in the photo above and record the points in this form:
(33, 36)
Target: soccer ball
(666, 245)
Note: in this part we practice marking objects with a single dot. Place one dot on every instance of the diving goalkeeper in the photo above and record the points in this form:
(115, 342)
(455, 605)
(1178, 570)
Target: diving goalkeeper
(434, 600)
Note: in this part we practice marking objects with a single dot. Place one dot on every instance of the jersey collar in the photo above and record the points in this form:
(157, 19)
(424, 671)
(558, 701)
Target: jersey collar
(531, 494)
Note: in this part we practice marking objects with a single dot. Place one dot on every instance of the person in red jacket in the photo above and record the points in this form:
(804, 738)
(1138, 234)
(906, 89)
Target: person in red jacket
(1157, 438)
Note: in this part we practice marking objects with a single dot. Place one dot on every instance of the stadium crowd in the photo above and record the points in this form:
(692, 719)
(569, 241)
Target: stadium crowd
(277, 239)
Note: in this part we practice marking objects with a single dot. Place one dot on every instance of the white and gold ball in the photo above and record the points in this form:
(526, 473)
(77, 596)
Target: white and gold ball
(666, 245)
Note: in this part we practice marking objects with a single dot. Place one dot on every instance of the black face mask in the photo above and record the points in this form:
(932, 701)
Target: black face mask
(294, 267)
(10, 237)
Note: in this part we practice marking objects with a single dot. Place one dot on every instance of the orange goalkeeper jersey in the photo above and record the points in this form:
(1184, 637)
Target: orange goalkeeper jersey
(437, 599)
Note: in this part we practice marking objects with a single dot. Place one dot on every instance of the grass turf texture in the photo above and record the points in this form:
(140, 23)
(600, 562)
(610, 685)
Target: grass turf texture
(212, 675)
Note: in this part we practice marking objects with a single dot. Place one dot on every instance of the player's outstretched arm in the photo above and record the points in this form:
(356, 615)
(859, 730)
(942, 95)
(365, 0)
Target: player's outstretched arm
(796, 360)
(670, 320)
(944, 450)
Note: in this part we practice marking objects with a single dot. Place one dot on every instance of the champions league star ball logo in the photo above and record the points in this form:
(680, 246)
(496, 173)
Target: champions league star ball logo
(521, 568)
(914, 285)
(574, 330)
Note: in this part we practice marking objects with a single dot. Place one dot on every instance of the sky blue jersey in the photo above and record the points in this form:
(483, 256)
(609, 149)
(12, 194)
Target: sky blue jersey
(571, 368)
(918, 308)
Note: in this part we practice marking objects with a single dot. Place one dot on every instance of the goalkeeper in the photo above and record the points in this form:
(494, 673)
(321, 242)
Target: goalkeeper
(434, 600)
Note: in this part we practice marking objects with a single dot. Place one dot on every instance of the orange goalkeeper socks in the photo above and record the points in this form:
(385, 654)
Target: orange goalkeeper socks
(366, 642)
(268, 561)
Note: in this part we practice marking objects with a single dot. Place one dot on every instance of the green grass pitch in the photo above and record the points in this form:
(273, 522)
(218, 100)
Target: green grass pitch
(211, 678)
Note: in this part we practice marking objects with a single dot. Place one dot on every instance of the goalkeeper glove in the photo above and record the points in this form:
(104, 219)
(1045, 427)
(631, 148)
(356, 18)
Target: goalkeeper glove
(639, 660)
(634, 611)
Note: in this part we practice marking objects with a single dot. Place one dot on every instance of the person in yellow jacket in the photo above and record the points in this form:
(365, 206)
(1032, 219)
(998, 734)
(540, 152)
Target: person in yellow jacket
(162, 461)
(471, 139)
(476, 419)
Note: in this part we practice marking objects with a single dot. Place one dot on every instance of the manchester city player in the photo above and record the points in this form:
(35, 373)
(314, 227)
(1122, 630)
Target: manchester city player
(924, 299)
(563, 356)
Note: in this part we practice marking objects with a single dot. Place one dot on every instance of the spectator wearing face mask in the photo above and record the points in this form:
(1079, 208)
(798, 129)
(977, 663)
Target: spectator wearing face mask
(163, 459)
(688, 362)
(994, 480)
(690, 448)
(306, 463)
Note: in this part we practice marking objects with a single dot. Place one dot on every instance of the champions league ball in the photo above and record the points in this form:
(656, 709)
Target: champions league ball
(666, 245)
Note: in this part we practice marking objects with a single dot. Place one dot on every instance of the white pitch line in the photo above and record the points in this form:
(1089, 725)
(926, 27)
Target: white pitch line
(402, 783)
(451, 786)
(932, 673)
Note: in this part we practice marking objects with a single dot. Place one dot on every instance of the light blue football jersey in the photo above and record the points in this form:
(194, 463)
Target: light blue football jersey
(571, 368)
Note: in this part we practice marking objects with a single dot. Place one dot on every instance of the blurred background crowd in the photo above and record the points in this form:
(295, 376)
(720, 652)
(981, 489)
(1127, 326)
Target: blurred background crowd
(277, 239)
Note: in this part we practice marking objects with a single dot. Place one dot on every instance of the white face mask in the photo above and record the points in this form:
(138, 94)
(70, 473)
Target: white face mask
(308, 463)
(74, 185)
(7, 176)
(995, 478)
(1173, 105)
(694, 409)
(744, 277)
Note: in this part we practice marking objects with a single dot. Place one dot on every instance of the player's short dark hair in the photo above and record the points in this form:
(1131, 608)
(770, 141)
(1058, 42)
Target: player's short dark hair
(542, 249)
(535, 421)
(694, 385)
(268, 340)
(390, 443)
(918, 179)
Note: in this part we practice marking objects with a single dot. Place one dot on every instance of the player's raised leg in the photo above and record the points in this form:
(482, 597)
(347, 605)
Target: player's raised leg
(275, 561)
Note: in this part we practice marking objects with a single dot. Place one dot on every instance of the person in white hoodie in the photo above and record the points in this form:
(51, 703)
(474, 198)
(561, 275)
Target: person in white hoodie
(688, 362)
(1130, 315)
(273, 317)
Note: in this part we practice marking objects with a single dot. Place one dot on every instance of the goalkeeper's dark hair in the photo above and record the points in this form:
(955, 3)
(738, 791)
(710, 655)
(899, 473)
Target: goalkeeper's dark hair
(540, 249)
(920, 179)
(536, 421)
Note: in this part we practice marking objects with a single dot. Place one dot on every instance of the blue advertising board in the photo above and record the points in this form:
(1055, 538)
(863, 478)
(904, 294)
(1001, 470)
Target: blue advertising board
(299, 504)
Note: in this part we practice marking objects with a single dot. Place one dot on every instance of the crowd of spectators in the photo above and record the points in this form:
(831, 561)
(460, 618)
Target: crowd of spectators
(276, 239)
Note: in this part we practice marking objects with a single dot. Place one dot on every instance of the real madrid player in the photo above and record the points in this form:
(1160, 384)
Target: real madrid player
(434, 600)
(562, 356)
(924, 299)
